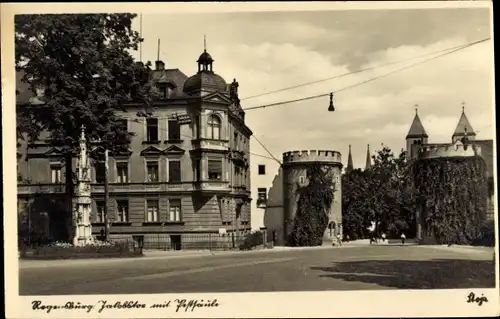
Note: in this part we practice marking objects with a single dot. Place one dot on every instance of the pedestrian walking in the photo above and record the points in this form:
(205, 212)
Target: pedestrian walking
(339, 240)
(403, 237)
(383, 237)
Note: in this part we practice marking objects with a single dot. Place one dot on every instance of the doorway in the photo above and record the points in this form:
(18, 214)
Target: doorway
(175, 242)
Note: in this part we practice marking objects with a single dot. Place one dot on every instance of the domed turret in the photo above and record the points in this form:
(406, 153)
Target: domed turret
(205, 79)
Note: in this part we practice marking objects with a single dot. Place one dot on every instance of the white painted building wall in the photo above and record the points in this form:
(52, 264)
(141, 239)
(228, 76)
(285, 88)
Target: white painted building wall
(266, 180)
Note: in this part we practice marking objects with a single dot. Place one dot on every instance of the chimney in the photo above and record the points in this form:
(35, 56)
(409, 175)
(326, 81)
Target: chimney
(160, 65)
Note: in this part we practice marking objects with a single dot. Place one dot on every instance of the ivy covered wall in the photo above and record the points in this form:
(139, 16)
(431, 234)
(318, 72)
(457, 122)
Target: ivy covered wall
(452, 197)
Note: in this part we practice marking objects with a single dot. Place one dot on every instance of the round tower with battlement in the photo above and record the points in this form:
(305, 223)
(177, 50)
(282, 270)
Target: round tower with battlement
(295, 165)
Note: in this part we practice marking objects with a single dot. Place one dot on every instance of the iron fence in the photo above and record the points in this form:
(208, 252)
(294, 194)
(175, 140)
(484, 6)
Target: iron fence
(193, 241)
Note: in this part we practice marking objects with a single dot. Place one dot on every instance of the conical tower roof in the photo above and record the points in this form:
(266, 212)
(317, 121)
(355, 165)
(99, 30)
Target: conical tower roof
(463, 127)
(350, 166)
(368, 158)
(416, 129)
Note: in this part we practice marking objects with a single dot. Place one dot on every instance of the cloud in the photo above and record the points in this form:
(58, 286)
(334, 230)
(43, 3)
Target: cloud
(267, 52)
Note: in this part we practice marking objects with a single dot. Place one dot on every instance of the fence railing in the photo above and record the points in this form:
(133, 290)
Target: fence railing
(194, 241)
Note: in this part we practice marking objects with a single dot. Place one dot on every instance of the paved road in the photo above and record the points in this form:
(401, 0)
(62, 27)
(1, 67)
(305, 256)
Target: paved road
(350, 268)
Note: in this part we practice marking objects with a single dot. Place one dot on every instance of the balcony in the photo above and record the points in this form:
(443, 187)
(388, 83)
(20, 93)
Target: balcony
(240, 190)
(239, 157)
(214, 186)
(210, 144)
(41, 189)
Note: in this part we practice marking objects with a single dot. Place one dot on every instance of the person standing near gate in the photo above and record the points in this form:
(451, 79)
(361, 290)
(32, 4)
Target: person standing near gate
(403, 237)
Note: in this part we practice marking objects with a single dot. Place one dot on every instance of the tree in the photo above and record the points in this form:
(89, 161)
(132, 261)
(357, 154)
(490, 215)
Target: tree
(315, 200)
(82, 64)
(392, 184)
(355, 203)
(382, 195)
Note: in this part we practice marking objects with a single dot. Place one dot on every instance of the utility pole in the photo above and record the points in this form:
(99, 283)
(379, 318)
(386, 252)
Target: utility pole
(106, 193)
(140, 43)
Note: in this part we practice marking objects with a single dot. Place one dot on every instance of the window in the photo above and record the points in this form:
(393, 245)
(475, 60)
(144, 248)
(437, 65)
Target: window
(214, 169)
(236, 141)
(152, 130)
(174, 210)
(262, 169)
(302, 179)
(214, 126)
(198, 170)
(100, 172)
(237, 173)
(121, 172)
(122, 211)
(174, 130)
(162, 88)
(99, 218)
(174, 171)
(123, 125)
(261, 197)
(56, 174)
(152, 168)
(152, 211)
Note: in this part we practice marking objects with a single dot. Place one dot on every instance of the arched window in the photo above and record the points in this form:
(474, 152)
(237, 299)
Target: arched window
(214, 125)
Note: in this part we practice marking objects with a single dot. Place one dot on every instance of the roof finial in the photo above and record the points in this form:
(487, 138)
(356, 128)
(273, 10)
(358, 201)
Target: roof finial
(205, 43)
(463, 107)
(416, 109)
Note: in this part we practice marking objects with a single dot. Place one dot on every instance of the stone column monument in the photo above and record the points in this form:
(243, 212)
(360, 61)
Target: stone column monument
(83, 202)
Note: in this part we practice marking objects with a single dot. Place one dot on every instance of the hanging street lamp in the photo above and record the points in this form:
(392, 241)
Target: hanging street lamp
(331, 108)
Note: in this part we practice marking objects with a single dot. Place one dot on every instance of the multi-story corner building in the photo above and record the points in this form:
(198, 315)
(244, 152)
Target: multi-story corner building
(187, 169)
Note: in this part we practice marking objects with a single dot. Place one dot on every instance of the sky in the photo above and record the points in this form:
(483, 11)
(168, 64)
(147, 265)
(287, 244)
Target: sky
(266, 51)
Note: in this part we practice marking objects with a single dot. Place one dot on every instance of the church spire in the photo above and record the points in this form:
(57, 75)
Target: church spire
(416, 129)
(463, 129)
(350, 166)
(368, 164)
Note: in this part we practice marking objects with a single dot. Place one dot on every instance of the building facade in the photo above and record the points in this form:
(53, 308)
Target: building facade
(463, 144)
(267, 191)
(187, 169)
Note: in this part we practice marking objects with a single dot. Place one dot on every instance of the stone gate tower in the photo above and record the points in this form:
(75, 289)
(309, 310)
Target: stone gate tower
(295, 165)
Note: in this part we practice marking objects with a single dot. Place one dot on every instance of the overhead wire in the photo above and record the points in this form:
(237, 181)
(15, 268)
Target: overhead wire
(369, 80)
(353, 72)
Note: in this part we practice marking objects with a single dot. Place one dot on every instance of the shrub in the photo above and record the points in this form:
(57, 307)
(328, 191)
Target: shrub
(486, 235)
(98, 249)
(252, 240)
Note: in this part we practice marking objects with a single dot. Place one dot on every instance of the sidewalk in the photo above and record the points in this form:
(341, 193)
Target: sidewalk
(462, 248)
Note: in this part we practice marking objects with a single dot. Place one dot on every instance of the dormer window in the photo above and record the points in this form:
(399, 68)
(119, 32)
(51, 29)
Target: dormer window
(164, 90)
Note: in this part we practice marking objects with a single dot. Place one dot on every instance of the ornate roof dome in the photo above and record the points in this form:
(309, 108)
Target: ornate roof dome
(205, 80)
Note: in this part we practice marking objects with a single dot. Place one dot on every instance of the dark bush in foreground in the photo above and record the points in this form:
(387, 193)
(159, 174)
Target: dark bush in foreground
(487, 235)
(67, 251)
(252, 240)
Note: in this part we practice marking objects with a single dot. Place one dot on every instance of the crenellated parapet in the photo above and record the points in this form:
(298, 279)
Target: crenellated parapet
(448, 150)
(307, 156)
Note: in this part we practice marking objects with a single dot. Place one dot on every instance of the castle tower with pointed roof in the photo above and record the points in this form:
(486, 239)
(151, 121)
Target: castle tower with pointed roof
(464, 130)
(416, 136)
